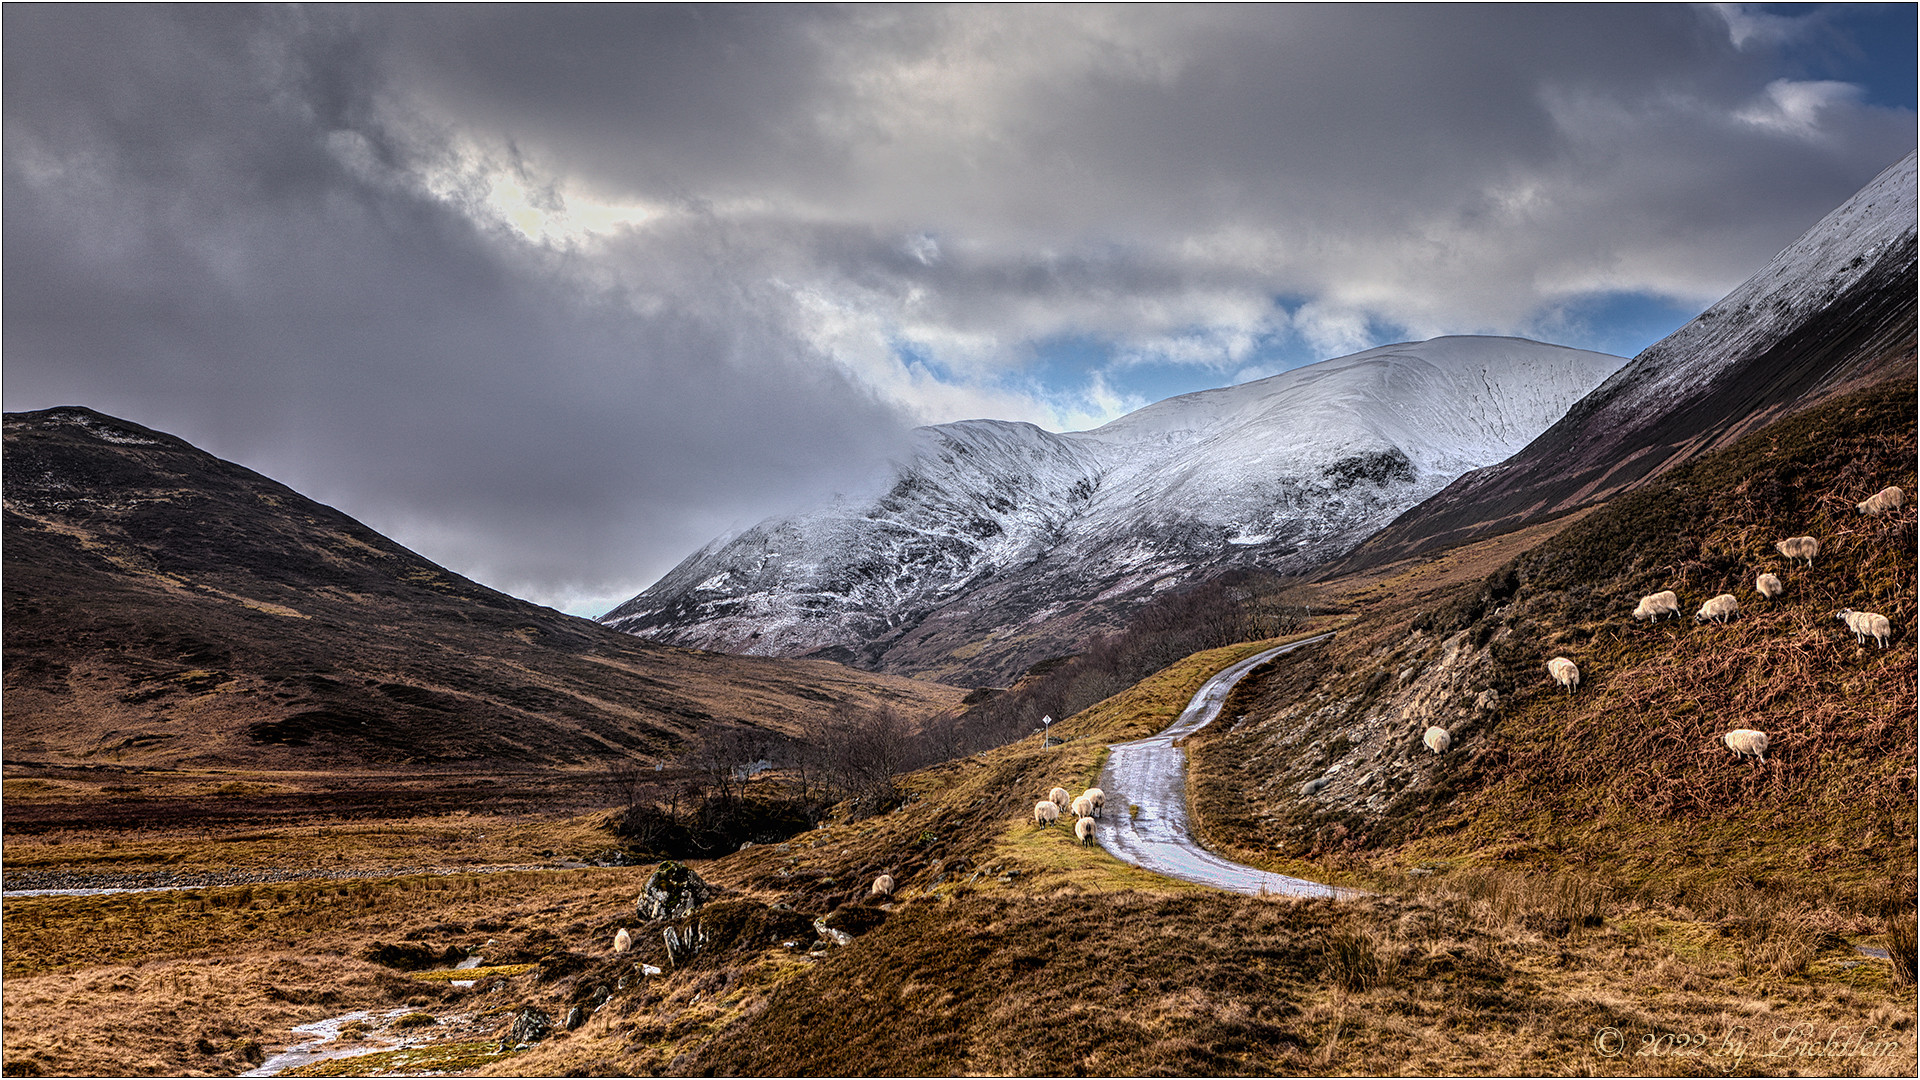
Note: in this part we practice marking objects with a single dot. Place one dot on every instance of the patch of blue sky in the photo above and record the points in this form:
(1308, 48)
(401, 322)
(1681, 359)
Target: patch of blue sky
(1869, 45)
(1621, 323)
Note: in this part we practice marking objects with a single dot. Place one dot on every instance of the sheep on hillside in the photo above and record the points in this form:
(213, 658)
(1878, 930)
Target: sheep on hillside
(622, 941)
(1098, 797)
(1865, 624)
(1798, 547)
(1882, 501)
(882, 886)
(1564, 672)
(1083, 829)
(1657, 604)
(1437, 739)
(1059, 796)
(1745, 742)
(1768, 586)
(1719, 609)
(1046, 812)
(1082, 807)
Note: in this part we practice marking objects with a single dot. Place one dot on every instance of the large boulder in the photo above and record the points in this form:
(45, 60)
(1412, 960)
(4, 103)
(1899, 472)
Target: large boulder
(673, 892)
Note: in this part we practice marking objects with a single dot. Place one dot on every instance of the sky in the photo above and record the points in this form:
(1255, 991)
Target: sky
(555, 295)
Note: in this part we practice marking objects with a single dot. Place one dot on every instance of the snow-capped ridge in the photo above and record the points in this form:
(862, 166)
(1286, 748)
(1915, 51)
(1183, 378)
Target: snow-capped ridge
(1277, 472)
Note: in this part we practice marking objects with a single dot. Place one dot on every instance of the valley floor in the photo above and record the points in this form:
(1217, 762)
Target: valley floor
(1006, 948)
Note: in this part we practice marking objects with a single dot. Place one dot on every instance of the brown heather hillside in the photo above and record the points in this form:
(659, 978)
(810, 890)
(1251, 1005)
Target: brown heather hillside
(168, 609)
(1627, 777)
(1006, 949)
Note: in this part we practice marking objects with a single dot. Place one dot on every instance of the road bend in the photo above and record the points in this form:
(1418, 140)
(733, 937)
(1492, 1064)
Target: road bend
(1152, 774)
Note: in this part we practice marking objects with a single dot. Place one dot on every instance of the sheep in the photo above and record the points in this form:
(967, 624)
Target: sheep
(1564, 672)
(1865, 624)
(1083, 829)
(1437, 740)
(1059, 796)
(882, 886)
(1768, 586)
(1099, 799)
(1657, 604)
(1745, 741)
(1798, 547)
(1882, 501)
(1046, 812)
(622, 941)
(1082, 807)
(1719, 609)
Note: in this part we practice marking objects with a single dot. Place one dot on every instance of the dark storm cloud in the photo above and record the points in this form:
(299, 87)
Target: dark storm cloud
(555, 293)
(183, 249)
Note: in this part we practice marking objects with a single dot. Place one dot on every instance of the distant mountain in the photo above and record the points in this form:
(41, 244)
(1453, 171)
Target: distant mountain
(1833, 312)
(1000, 544)
(165, 607)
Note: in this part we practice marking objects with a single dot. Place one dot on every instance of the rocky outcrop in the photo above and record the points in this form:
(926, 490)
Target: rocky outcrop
(673, 892)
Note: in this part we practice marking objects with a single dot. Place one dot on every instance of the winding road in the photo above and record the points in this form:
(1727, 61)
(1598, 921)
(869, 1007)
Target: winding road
(1152, 773)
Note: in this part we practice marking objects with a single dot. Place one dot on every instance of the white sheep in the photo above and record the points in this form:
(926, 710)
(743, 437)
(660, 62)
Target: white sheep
(1564, 672)
(1798, 547)
(1046, 812)
(1437, 739)
(1768, 586)
(1657, 604)
(622, 941)
(1082, 807)
(1083, 829)
(1059, 796)
(1865, 624)
(1719, 609)
(1099, 799)
(1746, 741)
(1882, 501)
(882, 886)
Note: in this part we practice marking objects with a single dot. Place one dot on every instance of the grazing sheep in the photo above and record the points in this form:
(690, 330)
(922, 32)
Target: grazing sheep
(1437, 739)
(1083, 829)
(1059, 796)
(1046, 812)
(1768, 586)
(1564, 672)
(1658, 604)
(1882, 501)
(1865, 624)
(882, 886)
(622, 941)
(1082, 807)
(1798, 547)
(1719, 609)
(1099, 799)
(1746, 741)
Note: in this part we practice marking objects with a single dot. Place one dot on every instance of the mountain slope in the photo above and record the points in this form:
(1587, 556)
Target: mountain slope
(1628, 773)
(1834, 311)
(1000, 544)
(166, 607)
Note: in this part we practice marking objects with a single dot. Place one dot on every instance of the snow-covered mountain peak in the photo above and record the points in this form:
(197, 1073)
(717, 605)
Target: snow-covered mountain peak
(1009, 528)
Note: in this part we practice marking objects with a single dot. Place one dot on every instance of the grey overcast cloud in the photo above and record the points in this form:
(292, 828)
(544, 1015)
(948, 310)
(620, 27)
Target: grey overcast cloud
(554, 294)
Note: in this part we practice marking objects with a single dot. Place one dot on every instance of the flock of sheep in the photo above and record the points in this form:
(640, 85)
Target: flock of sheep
(1744, 742)
(1085, 810)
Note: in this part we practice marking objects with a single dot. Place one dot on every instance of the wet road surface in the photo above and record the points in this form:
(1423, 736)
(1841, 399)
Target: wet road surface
(1152, 772)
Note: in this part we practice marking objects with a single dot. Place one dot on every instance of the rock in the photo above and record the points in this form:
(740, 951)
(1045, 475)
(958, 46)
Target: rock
(575, 1017)
(684, 945)
(828, 933)
(530, 1025)
(673, 892)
